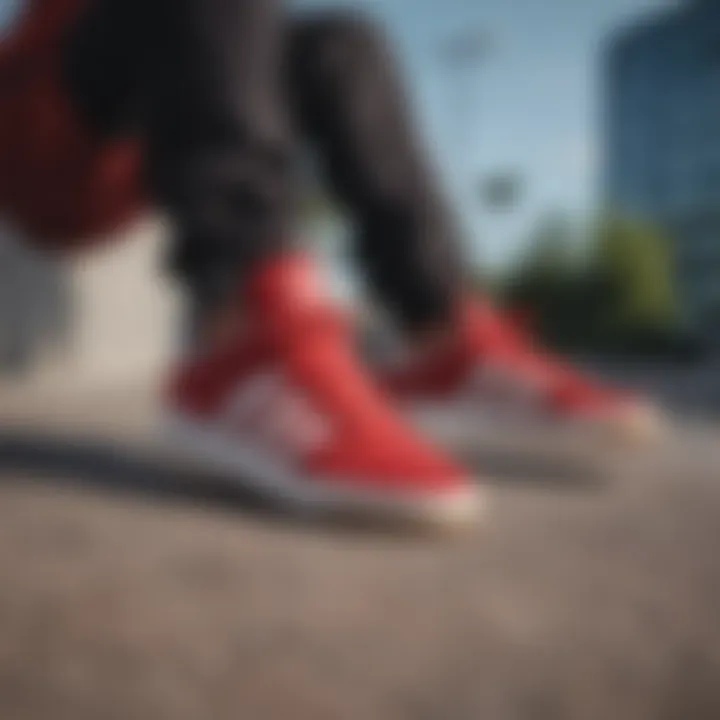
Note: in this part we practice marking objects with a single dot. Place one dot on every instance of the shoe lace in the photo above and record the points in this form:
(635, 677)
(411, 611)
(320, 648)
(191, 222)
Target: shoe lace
(517, 345)
(339, 377)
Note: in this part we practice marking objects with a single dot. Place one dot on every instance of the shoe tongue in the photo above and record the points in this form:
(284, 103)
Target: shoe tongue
(285, 291)
(489, 331)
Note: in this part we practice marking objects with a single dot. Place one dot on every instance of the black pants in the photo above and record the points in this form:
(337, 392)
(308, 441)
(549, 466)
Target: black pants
(225, 92)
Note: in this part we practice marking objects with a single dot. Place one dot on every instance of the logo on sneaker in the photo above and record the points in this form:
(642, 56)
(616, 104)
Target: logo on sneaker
(277, 416)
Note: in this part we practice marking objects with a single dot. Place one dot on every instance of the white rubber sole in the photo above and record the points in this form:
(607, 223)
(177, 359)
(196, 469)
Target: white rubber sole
(459, 428)
(205, 447)
(502, 442)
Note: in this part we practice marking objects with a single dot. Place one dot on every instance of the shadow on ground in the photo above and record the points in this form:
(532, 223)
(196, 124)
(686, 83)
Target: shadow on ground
(112, 466)
(566, 604)
(109, 465)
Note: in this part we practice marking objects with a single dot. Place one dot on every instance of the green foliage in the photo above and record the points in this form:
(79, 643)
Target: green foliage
(617, 295)
(638, 265)
(317, 208)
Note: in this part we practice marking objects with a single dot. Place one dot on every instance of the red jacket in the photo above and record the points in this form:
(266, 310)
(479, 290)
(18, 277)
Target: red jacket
(57, 183)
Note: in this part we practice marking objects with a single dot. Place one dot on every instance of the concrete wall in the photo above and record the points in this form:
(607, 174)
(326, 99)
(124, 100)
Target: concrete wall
(124, 316)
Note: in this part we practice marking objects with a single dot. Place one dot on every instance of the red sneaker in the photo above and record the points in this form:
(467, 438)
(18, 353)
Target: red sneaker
(287, 409)
(494, 373)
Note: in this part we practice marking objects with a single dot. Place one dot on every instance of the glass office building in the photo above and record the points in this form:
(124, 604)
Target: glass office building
(662, 142)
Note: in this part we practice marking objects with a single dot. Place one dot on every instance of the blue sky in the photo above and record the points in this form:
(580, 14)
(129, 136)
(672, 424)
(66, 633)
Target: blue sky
(534, 102)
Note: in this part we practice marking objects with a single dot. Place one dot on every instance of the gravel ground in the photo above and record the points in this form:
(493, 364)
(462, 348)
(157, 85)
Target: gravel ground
(130, 592)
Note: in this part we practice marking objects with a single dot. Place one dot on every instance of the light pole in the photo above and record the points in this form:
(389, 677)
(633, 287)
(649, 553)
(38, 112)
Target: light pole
(462, 56)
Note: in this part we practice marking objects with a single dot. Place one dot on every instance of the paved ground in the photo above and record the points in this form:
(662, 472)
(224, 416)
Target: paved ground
(130, 593)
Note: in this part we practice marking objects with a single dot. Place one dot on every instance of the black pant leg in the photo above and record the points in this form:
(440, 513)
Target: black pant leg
(201, 80)
(108, 52)
(205, 78)
(349, 102)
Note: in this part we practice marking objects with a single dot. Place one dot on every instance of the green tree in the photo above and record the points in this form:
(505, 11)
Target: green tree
(552, 284)
(617, 295)
(317, 209)
(636, 261)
